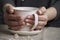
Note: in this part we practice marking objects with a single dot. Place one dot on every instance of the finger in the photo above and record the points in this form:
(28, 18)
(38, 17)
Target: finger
(16, 28)
(42, 18)
(14, 17)
(41, 10)
(9, 9)
(30, 17)
(39, 27)
(29, 21)
(42, 23)
(29, 25)
(12, 23)
(21, 23)
(12, 26)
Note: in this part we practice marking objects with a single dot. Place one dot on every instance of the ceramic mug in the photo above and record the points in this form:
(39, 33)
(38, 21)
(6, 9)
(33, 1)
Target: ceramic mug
(24, 12)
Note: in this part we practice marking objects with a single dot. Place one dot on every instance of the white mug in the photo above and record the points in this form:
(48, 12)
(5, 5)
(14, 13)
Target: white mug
(24, 12)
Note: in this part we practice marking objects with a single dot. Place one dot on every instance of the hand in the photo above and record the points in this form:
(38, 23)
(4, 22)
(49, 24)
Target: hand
(14, 22)
(42, 18)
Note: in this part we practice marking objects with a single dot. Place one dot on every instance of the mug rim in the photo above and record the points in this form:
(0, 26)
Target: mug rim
(29, 8)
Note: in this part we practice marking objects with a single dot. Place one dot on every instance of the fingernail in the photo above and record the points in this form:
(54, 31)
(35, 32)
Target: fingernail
(27, 20)
(28, 16)
(11, 11)
(40, 12)
(27, 24)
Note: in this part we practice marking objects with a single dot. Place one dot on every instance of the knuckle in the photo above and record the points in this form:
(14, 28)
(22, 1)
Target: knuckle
(45, 22)
(29, 25)
(38, 28)
(42, 23)
(46, 18)
(29, 21)
(12, 23)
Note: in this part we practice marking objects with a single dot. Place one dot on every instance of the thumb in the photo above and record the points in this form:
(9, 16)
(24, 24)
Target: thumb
(8, 8)
(41, 10)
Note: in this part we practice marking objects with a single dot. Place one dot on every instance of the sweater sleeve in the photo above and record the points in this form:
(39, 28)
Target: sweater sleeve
(57, 6)
(2, 3)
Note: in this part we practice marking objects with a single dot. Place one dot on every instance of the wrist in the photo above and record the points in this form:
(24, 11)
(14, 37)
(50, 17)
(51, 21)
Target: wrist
(51, 13)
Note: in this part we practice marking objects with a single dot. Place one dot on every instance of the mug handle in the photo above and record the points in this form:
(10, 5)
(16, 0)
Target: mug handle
(35, 22)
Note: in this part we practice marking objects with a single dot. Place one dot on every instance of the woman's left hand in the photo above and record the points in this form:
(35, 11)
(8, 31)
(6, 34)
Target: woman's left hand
(42, 19)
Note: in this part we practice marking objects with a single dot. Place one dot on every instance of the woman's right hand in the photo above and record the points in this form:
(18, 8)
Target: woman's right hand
(14, 22)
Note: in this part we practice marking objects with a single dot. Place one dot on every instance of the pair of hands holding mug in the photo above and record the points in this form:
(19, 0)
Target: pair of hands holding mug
(15, 22)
